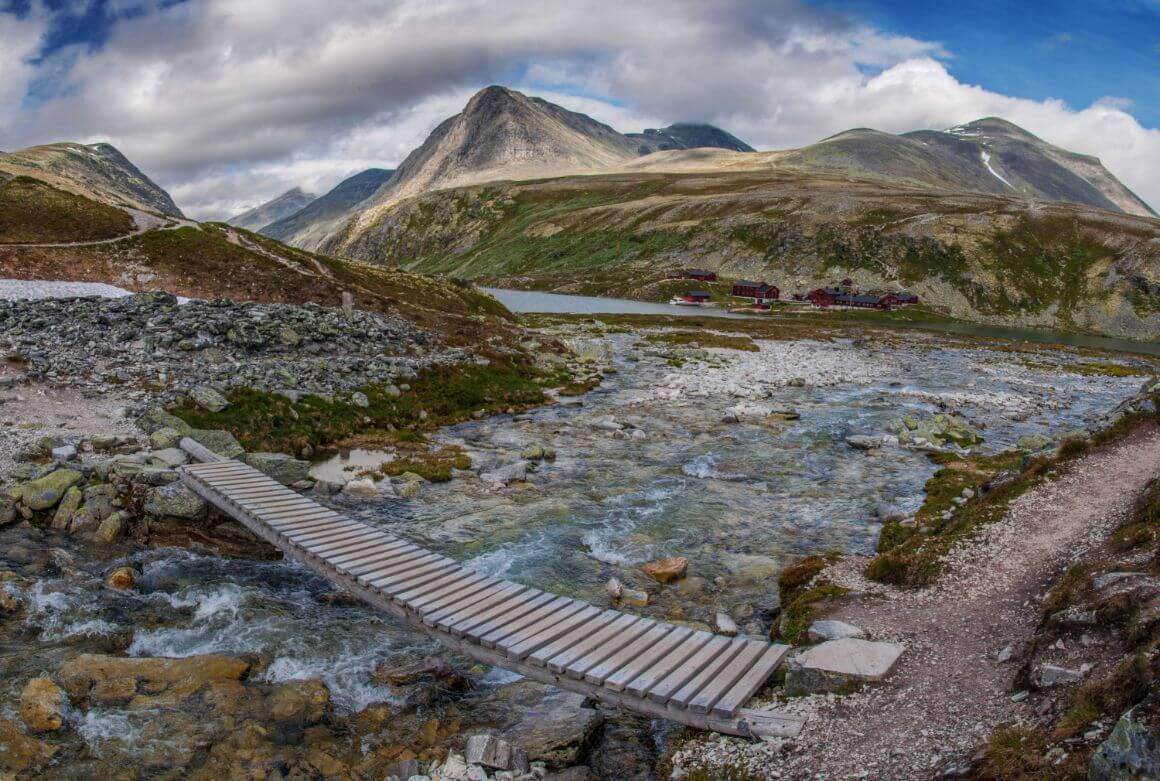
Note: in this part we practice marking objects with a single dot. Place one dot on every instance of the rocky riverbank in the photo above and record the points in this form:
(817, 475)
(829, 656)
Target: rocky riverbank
(155, 637)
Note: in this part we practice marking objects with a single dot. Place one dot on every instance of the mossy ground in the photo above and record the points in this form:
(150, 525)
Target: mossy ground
(704, 339)
(270, 422)
(801, 589)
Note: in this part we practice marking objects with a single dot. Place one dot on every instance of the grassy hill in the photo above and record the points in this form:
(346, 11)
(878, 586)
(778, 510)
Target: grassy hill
(32, 211)
(977, 256)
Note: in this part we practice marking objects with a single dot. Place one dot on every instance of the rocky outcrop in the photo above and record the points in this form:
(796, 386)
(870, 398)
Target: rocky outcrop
(113, 680)
(42, 705)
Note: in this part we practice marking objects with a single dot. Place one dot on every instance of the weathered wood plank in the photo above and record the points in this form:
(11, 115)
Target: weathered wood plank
(664, 688)
(352, 560)
(582, 657)
(508, 624)
(447, 617)
(664, 665)
(714, 671)
(456, 594)
(570, 638)
(404, 561)
(458, 576)
(636, 647)
(392, 582)
(738, 694)
(664, 649)
(519, 645)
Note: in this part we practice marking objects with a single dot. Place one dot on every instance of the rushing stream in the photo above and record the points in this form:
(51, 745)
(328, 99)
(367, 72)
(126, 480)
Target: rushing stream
(738, 499)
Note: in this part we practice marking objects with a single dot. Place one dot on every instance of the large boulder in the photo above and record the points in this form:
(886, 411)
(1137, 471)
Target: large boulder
(156, 419)
(100, 502)
(113, 527)
(42, 705)
(116, 680)
(294, 705)
(1132, 751)
(221, 442)
(207, 398)
(174, 500)
(287, 470)
(509, 473)
(68, 505)
(840, 665)
(44, 492)
(18, 752)
(551, 725)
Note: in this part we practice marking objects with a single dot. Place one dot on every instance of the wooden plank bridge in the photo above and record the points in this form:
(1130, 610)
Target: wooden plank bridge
(656, 669)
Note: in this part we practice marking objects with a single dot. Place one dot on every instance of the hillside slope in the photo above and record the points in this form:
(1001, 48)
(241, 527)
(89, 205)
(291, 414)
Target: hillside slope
(307, 227)
(275, 209)
(978, 256)
(687, 135)
(96, 171)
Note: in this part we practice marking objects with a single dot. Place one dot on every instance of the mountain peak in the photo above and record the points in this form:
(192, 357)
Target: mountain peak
(273, 210)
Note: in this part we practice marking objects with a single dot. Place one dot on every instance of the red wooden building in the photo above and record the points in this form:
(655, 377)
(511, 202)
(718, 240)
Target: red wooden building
(700, 274)
(743, 288)
(695, 297)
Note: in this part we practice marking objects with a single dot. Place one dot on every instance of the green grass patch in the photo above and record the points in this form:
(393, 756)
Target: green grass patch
(704, 339)
(1107, 698)
(435, 466)
(264, 421)
(34, 212)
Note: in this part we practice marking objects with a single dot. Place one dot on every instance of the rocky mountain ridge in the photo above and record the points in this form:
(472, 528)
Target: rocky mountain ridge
(284, 205)
(96, 171)
(306, 227)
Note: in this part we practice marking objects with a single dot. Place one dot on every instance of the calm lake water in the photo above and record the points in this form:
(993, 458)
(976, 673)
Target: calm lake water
(537, 302)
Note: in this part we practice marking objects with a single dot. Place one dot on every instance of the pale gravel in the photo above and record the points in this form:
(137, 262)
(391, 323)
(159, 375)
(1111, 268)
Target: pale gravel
(948, 693)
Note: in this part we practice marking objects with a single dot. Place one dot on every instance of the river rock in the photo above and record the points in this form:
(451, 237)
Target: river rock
(43, 493)
(42, 705)
(170, 457)
(408, 485)
(509, 473)
(113, 527)
(552, 725)
(121, 579)
(838, 665)
(667, 570)
(18, 752)
(828, 629)
(100, 503)
(64, 453)
(165, 437)
(864, 442)
(287, 470)
(8, 513)
(362, 488)
(1132, 750)
(538, 453)
(294, 705)
(67, 507)
(723, 624)
(493, 752)
(174, 500)
(116, 680)
(1032, 443)
(207, 398)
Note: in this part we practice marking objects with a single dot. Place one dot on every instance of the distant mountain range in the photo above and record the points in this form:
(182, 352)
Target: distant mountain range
(310, 225)
(284, 205)
(96, 171)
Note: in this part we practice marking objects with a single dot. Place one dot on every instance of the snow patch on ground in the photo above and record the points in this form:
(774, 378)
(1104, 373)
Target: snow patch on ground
(35, 289)
(987, 162)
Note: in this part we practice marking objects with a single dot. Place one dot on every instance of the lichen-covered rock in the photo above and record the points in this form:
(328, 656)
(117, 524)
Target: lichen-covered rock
(42, 705)
(221, 442)
(207, 398)
(68, 505)
(7, 511)
(156, 419)
(175, 500)
(287, 470)
(298, 704)
(113, 527)
(44, 493)
(1132, 751)
(166, 437)
(121, 579)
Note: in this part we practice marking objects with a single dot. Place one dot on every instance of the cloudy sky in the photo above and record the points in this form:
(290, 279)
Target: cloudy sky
(229, 102)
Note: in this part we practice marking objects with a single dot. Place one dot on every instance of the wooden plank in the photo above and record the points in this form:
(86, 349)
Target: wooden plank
(450, 593)
(600, 645)
(283, 523)
(330, 549)
(637, 647)
(665, 687)
(446, 617)
(509, 609)
(390, 582)
(348, 561)
(413, 580)
(319, 536)
(704, 679)
(749, 683)
(455, 595)
(728, 675)
(374, 567)
(503, 624)
(574, 638)
(364, 538)
(663, 664)
(522, 643)
(302, 526)
(272, 505)
(665, 649)
(455, 576)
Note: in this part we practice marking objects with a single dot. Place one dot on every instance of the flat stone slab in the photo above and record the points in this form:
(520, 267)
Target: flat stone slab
(828, 629)
(851, 658)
